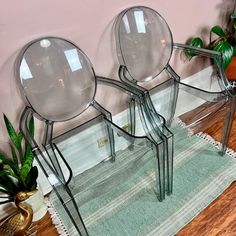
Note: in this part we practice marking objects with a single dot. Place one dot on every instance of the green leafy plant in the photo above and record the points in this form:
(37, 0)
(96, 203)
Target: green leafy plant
(225, 41)
(17, 173)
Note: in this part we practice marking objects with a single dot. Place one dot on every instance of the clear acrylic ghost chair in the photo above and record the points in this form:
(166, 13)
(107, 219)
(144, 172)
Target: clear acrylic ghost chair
(142, 72)
(144, 47)
(58, 82)
(153, 130)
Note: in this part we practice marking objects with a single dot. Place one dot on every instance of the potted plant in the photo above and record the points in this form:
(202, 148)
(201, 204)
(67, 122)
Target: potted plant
(223, 41)
(17, 173)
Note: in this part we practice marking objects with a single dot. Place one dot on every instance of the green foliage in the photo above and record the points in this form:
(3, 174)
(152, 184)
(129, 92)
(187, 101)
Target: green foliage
(226, 50)
(196, 42)
(17, 173)
(218, 31)
(225, 43)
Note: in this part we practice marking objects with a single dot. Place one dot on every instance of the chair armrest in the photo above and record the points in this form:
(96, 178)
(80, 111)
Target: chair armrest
(199, 51)
(36, 148)
(216, 56)
(118, 84)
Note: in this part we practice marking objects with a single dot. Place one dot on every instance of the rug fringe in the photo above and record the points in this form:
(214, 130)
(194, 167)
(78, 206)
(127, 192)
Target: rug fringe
(56, 220)
(183, 125)
(230, 152)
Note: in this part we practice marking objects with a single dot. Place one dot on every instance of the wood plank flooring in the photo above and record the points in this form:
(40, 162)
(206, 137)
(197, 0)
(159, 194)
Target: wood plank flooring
(218, 219)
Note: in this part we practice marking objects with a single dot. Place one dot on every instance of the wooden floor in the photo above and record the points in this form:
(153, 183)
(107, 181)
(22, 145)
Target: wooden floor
(218, 219)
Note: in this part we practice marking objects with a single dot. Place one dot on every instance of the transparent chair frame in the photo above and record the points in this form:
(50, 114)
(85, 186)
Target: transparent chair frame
(125, 71)
(64, 188)
(155, 125)
(226, 89)
(155, 129)
(50, 157)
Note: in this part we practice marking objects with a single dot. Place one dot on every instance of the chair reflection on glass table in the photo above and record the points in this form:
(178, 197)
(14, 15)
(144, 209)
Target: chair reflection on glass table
(59, 84)
(145, 48)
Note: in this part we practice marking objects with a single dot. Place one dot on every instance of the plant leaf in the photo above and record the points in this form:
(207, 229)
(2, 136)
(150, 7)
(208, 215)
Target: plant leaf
(2, 190)
(13, 135)
(218, 31)
(20, 137)
(233, 16)
(26, 166)
(14, 156)
(27, 149)
(7, 184)
(9, 197)
(226, 50)
(234, 25)
(9, 162)
(234, 51)
(27, 155)
(8, 173)
(6, 201)
(31, 178)
(195, 42)
(31, 126)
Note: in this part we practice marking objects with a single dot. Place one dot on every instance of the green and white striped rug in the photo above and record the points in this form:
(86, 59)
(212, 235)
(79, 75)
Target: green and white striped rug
(131, 208)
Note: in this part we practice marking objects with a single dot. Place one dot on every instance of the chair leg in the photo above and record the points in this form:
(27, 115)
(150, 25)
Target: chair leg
(54, 161)
(72, 210)
(169, 164)
(110, 132)
(63, 193)
(228, 124)
(111, 141)
(160, 172)
(159, 149)
(174, 98)
(163, 132)
(132, 115)
(132, 119)
(174, 93)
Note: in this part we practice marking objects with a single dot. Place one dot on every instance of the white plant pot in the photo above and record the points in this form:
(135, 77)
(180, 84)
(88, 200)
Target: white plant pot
(36, 201)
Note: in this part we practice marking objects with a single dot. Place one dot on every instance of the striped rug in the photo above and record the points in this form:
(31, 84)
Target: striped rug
(126, 205)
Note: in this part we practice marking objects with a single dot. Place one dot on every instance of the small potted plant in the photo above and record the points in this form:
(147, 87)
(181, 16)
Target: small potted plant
(223, 41)
(17, 173)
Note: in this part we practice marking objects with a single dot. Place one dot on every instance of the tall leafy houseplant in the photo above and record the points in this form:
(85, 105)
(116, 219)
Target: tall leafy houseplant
(221, 40)
(17, 173)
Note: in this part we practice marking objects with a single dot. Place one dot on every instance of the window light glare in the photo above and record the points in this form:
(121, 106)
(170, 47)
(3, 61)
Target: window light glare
(25, 72)
(73, 59)
(163, 41)
(126, 23)
(45, 43)
(140, 22)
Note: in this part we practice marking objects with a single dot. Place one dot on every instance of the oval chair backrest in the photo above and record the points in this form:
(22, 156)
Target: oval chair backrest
(143, 41)
(56, 78)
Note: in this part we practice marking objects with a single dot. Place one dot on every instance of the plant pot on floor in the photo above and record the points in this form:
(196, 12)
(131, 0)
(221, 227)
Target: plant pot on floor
(231, 70)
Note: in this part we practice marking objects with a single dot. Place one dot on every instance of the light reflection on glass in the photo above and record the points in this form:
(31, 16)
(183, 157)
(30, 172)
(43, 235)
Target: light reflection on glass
(45, 43)
(126, 23)
(25, 72)
(61, 81)
(139, 20)
(163, 42)
(148, 78)
(73, 59)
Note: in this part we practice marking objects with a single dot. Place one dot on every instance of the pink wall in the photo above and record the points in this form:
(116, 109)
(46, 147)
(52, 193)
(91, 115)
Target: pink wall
(87, 23)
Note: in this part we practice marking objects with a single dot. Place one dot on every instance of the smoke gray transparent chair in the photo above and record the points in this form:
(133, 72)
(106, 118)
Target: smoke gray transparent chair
(144, 47)
(58, 82)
